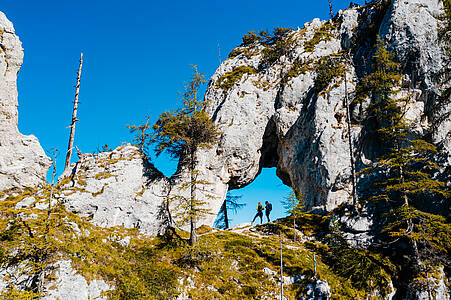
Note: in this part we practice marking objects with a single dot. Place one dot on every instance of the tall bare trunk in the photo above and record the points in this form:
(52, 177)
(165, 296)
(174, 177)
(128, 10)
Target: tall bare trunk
(351, 148)
(74, 116)
(219, 53)
(281, 267)
(330, 9)
(193, 233)
(226, 217)
(55, 155)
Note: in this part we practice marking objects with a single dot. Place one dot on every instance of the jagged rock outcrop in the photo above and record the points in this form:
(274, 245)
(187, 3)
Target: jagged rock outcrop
(117, 188)
(280, 114)
(22, 159)
(65, 280)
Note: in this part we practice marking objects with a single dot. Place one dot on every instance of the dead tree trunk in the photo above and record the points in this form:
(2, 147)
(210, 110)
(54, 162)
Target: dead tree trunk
(74, 116)
(330, 10)
(351, 148)
(55, 155)
(281, 266)
(226, 216)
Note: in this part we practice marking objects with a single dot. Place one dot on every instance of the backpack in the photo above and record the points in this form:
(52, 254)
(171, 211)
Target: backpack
(269, 207)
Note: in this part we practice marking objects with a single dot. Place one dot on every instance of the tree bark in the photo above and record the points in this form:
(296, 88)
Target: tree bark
(226, 217)
(193, 233)
(330, 9)
(74, 116)
(351, 149)
(281, 267)
(53, 181)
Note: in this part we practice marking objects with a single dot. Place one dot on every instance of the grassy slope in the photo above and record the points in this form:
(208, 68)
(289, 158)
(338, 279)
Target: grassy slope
(224, 265)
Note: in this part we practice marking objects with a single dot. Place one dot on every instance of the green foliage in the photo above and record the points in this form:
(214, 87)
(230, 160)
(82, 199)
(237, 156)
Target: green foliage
(247, 51)
(229, 79)
(405, 174)
(143, 138)
(430, 230)
(299, 67)
(279, 44)
(386, 112)
(230, 205)
(223, 265)
(250, 38)
(328, 69)
(181, 133)
(324, 33)
(34, 240)
(408, 174)
(365, 270)
(294, 203)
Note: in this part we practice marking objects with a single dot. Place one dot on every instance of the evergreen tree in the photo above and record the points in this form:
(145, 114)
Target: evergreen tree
(230, 204)
(143, 138)
(181, 133)
(295, 205)
(405, 170)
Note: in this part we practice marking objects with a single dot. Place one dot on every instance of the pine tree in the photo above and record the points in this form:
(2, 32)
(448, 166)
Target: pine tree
(405, 169)
(143, 138)
(295, 205)
(230, 204)
(181, 133)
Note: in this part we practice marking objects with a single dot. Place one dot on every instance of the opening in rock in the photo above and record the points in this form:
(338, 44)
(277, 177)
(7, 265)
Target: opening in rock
(267, 186)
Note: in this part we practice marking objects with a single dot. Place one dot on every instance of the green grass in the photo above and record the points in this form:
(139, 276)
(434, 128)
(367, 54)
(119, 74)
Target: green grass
(229, 79)
(324, 33)
(224, 264)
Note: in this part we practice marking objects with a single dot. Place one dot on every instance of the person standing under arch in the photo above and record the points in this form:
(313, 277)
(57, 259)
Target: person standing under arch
(268, 207)
(260, 209)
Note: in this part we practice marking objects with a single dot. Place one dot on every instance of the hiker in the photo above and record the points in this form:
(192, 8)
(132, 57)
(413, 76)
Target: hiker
(268, 207)
(260, 209)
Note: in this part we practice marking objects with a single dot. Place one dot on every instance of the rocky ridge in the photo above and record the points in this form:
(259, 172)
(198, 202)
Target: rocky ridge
(22, 159)
(272, 113)
(283, 116)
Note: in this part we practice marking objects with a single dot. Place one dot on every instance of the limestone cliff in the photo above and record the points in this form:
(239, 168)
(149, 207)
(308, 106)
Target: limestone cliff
(279, 104)
(284, 107)
(22, 159)
(117, 188)
(276, 109)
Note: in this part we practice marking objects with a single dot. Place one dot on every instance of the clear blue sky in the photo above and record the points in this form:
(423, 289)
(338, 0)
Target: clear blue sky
(137, 56)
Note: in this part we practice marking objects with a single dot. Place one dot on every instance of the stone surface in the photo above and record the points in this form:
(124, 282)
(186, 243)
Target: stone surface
(319, 290)
(117, 188)
(302, 131)
(69, 285)
(22, 159)
(438, 289)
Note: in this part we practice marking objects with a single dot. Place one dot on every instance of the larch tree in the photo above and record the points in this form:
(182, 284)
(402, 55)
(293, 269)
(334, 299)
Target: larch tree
(143, 137)
(405, 168)
(230, 204)
(181, 133)
(294, 204)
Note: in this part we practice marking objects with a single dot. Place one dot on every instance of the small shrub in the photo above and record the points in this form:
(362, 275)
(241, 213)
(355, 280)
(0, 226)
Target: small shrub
(300, 67)
(327, 69)
(250, 38)
(321, 34)
(229, 79)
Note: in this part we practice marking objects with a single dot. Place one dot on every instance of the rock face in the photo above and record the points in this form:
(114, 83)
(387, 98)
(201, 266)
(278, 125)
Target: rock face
(22, 159)
(66, 280)
(280, 114)
(117, 188)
